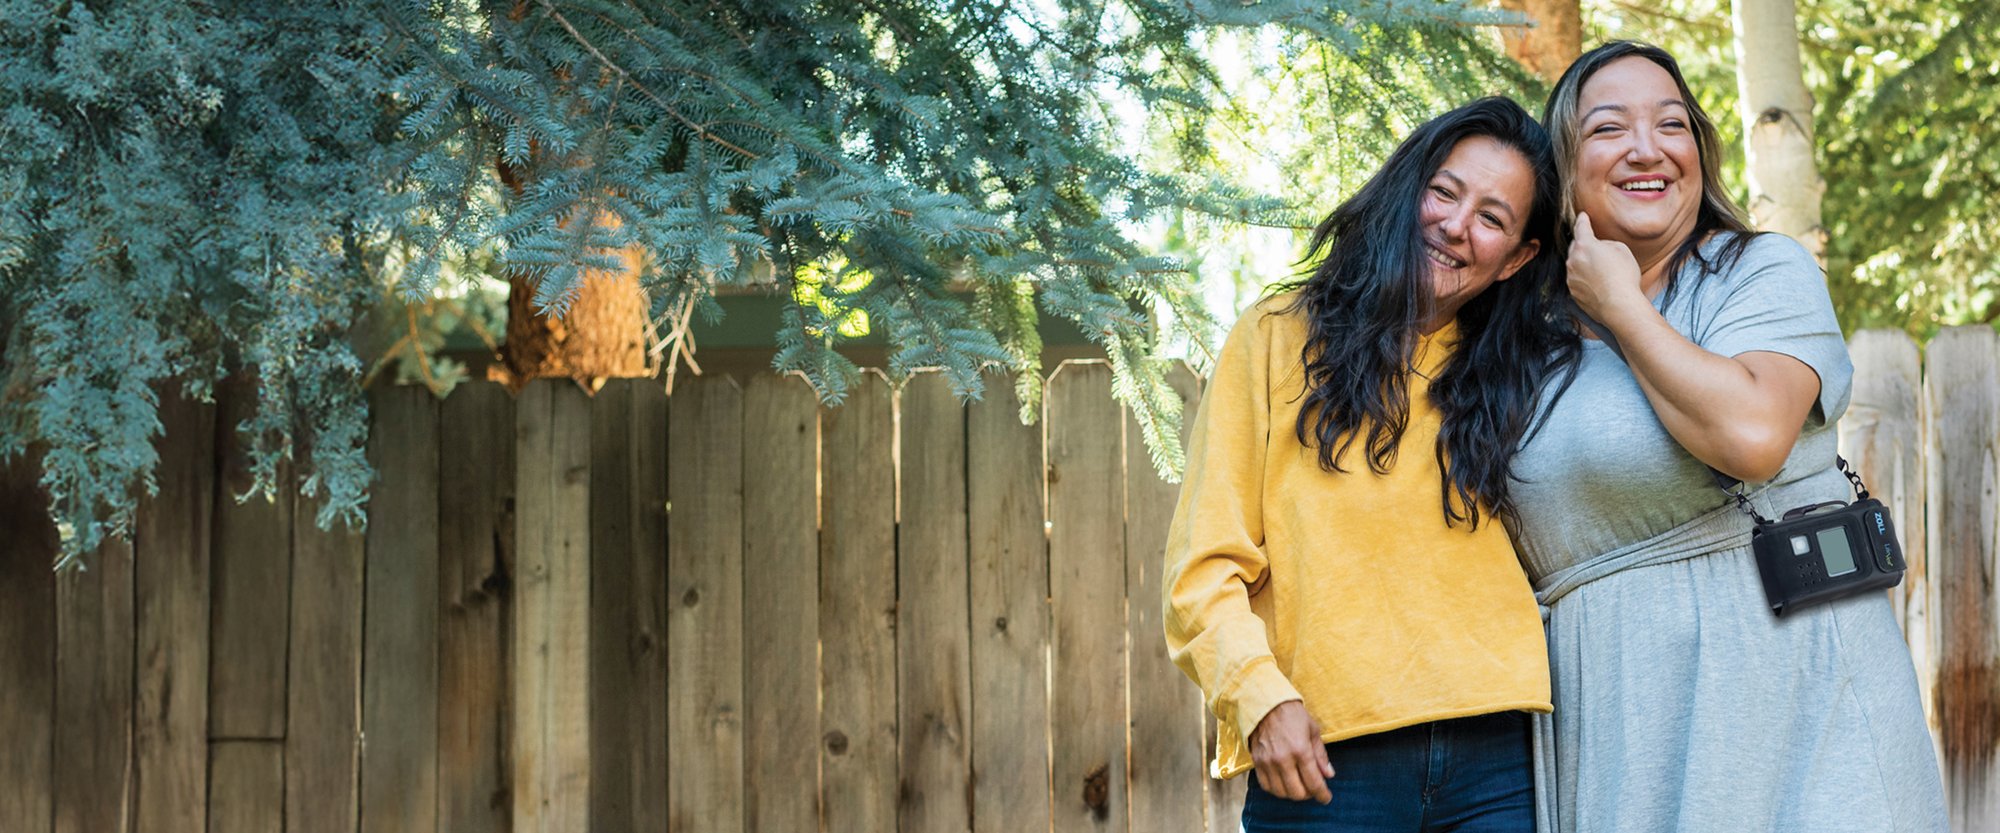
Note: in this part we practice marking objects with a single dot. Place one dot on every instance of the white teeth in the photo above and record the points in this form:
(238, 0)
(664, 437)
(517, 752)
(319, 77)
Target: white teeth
(1442, 259)
(1646, 185)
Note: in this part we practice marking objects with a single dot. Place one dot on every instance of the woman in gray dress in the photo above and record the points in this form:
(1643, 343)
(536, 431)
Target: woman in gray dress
(1681, 702)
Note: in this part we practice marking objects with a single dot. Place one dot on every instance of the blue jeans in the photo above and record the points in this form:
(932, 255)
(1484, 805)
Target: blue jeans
(1470, 775)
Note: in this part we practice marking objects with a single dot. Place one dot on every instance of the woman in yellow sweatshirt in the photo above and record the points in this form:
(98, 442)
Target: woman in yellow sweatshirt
(1335, 581)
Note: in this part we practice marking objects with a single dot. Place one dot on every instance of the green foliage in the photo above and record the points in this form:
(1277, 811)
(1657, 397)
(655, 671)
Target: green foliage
(193, 189)
(1909, 95)
(184, 191)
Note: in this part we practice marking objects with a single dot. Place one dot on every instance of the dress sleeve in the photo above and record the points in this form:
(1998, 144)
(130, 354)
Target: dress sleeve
(1215, 546)
(1774, 300)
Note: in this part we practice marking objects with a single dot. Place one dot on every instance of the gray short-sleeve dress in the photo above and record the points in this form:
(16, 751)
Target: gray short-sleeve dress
(1681, 702)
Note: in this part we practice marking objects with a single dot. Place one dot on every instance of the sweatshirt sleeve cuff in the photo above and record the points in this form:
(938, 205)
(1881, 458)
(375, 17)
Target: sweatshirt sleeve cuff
(1260, 688)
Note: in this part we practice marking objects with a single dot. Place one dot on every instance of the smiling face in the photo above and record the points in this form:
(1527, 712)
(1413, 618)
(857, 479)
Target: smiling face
(1473, 213)
(1638, 163)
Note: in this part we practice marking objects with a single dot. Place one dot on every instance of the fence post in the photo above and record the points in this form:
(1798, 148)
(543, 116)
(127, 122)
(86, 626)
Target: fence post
(323, 674)
(780, 605)
(628, 606)
(1087, 597)
(27, 647)
(551, 616)
(705, 607)
(1964, 363)
(248, 628)
(475, 571)
(857, 614)
(1882, 434)
(399, 646)
(1009, 579)
(171, 552)
(933, 665)
(1166, 709)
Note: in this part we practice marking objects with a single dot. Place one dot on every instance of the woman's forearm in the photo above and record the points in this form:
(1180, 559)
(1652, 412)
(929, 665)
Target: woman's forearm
(1739, 414)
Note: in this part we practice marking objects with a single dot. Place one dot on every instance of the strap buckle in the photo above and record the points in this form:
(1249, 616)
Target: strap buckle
(1860, 489)
(1741, 493)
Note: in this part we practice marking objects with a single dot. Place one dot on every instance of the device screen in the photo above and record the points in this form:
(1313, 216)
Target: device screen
(1833, 547)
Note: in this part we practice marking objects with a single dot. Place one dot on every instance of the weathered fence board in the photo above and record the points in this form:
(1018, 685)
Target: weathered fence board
(551, 633)
(705, 607)
(27, 649)
(171, 549)
(1963, 364)
(1166, 708)
(475, 563)
(933, 689)
(1224, 799)
(628, 608)
(1009, 578)
(1087, 596)
(1882, 435)
(94, 634)
(857, 611)
(246, 786)
(323, 702)
(250, 600)
(781, 605)
(399, 692)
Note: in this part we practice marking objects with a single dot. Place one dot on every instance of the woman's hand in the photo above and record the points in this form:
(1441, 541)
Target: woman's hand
(1288, 756)
(1603, 274)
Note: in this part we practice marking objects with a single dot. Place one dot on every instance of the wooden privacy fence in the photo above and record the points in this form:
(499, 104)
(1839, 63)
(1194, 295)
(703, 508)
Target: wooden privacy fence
(734, 610)
(731, 609)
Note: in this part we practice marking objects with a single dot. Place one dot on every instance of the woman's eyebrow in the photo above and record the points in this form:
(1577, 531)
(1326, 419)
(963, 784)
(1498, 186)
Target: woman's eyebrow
(1498, 204)
(1484, 201)
(1616, 108)
(1620, 108)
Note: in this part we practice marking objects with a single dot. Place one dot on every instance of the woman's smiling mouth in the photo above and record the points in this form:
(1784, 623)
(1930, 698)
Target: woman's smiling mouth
(1645, 187)
(1442, 258)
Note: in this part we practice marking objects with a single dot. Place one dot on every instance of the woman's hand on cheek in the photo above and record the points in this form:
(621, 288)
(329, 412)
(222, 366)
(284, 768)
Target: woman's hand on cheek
(1603, 275)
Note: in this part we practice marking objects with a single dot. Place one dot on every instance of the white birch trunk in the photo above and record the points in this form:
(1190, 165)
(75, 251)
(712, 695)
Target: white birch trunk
(1776, 108)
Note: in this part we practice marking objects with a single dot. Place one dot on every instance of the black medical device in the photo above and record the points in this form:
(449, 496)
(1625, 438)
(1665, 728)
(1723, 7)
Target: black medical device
(1826, 551)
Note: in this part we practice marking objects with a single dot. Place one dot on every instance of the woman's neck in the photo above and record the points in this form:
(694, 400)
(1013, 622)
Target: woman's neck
(1437, 321)
(1653, 261)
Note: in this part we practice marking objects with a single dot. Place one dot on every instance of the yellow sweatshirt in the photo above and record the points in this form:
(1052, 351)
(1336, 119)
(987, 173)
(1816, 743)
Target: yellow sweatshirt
(1344, 590)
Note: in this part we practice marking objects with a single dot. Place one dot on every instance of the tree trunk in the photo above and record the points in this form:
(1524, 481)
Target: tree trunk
(1776, 108)
(602, 336)
(1552, 43)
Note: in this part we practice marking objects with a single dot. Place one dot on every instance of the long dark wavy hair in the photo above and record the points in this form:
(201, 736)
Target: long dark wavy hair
(1365, 296)
(1718, 213)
